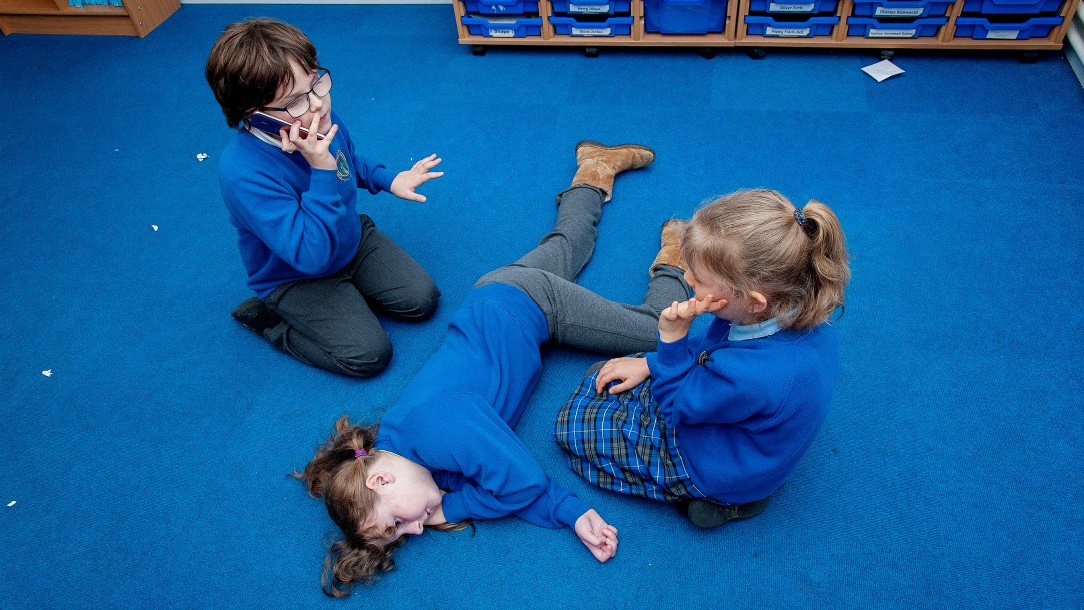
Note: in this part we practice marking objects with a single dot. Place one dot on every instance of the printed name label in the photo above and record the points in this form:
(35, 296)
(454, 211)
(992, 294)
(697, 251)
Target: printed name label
(881, 33)
(790, 8)
(502, 33)
(590, 31)
(787, 32)
(882, 11)
(1003, 34)
(590, 8)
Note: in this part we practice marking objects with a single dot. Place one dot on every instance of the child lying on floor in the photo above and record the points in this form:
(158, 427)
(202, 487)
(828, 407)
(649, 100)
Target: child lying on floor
(445, 452)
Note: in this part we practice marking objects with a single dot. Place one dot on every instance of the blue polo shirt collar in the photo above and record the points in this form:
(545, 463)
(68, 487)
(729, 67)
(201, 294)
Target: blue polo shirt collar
(753, 331)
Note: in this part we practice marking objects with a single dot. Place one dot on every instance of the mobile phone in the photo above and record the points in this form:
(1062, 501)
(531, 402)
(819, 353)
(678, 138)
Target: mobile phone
(269, 124)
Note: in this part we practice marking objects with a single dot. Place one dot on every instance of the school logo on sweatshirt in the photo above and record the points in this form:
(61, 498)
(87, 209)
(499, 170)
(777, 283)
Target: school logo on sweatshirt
(343, 170)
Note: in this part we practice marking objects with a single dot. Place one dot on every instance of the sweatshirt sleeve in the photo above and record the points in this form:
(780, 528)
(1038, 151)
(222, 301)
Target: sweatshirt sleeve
(499, 475)
(690, 393)
(371, 176)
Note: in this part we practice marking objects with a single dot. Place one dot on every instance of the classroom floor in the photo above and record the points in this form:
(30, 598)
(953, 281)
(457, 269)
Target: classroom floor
(146, 437)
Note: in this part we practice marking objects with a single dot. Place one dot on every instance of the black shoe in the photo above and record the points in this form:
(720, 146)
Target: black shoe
(707, 514)
(256, 316)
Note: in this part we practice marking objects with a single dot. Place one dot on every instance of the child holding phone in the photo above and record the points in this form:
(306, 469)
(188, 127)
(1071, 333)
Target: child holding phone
(316, 266)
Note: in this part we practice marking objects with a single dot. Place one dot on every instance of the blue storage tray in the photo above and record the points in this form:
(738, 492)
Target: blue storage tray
(501, 7)
(760, 25)
(578, 26)
(511, 26)
(982, 29)
(798, 7)
(875, 28)
(591, 7)
(1017, 7)
(901, 8)
(684, 16)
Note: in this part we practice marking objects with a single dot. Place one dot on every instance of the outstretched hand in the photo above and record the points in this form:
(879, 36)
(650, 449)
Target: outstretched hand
(598, 536)
(675, 320)
(631, 372)
(406, 181)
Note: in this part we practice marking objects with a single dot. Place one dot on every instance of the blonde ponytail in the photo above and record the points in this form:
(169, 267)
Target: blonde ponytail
(829, 269)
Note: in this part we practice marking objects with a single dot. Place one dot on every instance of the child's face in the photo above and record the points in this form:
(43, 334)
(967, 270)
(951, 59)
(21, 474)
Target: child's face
(704, 284)
(407, 502)
(301, 85)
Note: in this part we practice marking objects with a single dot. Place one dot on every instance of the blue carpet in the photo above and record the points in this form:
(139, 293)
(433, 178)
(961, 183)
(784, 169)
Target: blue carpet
(150, 469)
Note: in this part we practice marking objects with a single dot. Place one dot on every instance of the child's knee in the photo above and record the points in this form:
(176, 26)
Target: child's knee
(427, 301)
(366, 360)
(420, 303)
(518, 276)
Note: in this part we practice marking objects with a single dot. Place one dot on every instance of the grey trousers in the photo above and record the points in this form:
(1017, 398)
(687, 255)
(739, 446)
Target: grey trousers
(329, 322)
(578, 317)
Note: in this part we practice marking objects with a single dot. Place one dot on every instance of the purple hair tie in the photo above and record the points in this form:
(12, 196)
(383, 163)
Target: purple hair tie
(359, 453)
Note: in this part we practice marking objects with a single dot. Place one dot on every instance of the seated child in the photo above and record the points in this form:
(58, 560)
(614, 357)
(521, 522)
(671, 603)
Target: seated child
(315, 265)
(445, 452)
(716, 422)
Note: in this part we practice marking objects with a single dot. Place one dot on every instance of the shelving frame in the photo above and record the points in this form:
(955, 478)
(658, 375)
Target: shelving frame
(735, 34)
(135, 18)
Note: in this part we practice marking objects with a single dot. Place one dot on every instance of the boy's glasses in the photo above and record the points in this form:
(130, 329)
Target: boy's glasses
(300, 104)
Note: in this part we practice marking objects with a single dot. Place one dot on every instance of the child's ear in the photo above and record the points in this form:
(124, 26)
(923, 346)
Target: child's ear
(378, 479)
(756, 302)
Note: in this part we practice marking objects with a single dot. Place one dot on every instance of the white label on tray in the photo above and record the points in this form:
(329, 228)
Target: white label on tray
(790, 8)
(1003, 34)
(786, 32)
(883, 33)
(590, 31)
(589, 8)
(502, 33)
(882, 11)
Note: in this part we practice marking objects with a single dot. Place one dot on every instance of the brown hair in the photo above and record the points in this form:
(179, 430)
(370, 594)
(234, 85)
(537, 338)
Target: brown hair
(757, 240)
(337, 476)
(250, 62)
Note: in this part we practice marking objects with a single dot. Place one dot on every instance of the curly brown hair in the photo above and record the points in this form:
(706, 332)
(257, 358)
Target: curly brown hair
(250, 62)
(336, 474)
(753, 240)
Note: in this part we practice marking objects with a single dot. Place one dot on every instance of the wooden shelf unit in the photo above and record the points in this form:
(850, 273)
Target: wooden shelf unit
(135, 18)
(735, 33)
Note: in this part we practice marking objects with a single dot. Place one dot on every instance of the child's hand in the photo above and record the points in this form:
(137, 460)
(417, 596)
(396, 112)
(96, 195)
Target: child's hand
(598, 536)
(675, 320)
(406, 181)
(630, 371)
(312, 148)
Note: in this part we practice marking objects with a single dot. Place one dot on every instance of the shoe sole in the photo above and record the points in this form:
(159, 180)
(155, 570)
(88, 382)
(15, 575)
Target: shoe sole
(615, 147)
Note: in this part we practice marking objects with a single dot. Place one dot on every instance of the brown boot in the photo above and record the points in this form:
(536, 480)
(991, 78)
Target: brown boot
(670, 251)
(600, 164)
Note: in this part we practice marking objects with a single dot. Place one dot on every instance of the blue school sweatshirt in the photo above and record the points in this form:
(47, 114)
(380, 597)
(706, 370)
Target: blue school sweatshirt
(745, 411)
(294, 222)
(456, 416)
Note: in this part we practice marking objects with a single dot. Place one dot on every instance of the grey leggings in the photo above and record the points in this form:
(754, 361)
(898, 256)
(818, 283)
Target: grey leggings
(577, 316)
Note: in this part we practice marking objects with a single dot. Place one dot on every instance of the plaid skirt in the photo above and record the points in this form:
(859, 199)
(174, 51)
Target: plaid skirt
(621, 442)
